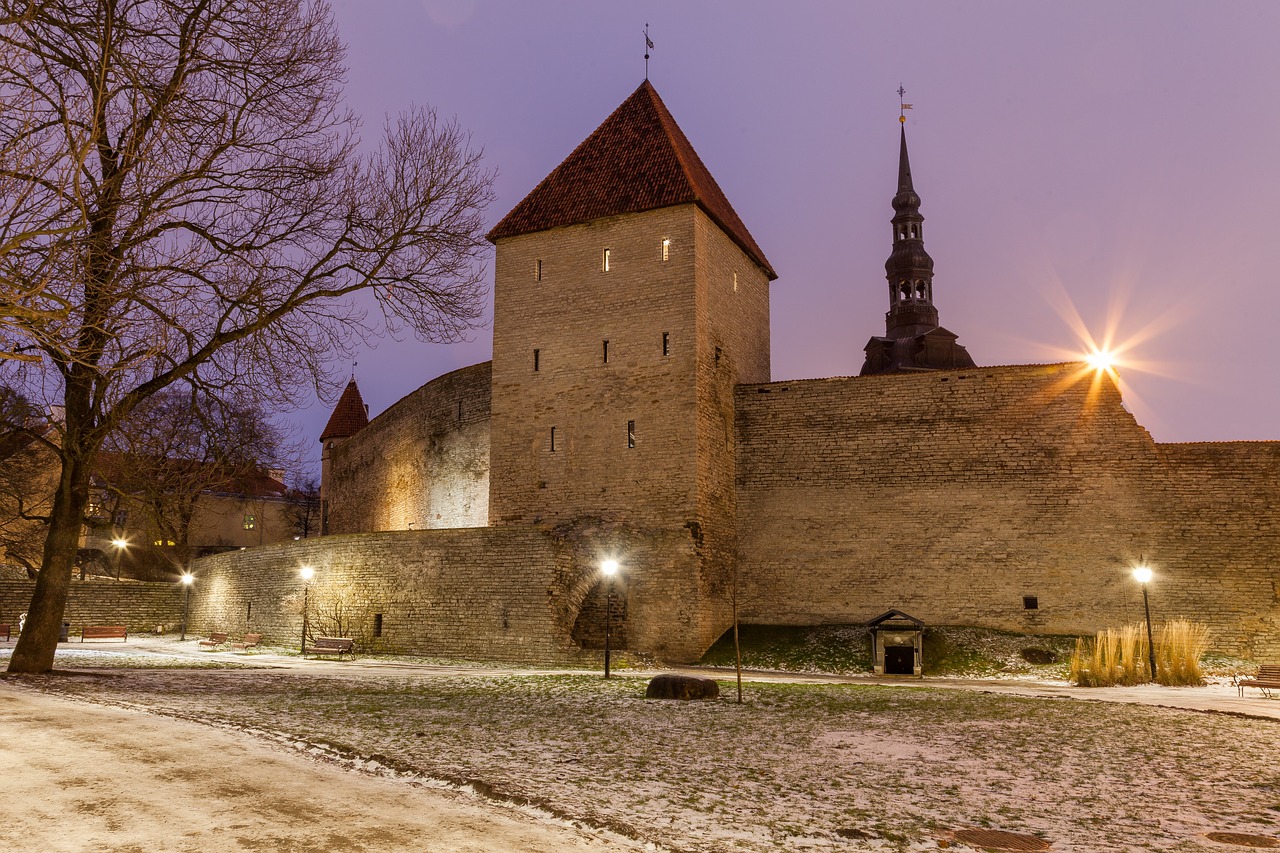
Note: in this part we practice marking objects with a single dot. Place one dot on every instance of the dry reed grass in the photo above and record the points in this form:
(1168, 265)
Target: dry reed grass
(1120, 656)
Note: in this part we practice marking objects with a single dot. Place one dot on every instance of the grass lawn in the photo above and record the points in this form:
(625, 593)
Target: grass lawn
(795, 767)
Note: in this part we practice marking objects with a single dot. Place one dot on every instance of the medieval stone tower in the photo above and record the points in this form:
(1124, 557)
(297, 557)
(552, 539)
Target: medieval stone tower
(629, 300)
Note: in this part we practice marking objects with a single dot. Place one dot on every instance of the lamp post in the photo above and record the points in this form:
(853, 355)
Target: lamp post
(609, 568)
(187, 580)
(306, 573)
(1142, 574)
(121, 545)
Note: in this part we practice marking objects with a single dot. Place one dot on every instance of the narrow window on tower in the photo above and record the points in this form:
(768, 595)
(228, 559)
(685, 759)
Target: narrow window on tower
(605, 352)
(666, 249)
(604, 264)
(735, 282)
(631, 433)
(717, 355)
(537, 357)
(553, 439)
(537, 270)
(666, 343)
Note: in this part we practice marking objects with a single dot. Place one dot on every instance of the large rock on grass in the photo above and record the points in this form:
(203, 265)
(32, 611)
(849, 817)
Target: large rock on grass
(671, 685)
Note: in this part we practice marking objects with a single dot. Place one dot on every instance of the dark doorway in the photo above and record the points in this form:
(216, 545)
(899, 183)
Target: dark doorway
(900, 660)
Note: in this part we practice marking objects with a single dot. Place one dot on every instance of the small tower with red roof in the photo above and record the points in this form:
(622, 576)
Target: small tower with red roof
(349, 416)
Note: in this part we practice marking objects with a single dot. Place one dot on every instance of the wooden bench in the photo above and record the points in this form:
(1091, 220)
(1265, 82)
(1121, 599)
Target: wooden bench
(5, 629)
(104, 632)
(215, 639)
(250, 641)
(330, 646)
(1267, 679)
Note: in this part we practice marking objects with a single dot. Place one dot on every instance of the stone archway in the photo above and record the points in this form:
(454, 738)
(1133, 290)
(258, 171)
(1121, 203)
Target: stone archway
(589, 626)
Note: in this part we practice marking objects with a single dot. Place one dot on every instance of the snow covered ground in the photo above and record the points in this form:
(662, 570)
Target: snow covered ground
(570, 759)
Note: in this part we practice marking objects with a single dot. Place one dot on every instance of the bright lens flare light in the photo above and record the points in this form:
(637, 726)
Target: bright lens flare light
(609, 567)
(306, 573)
(120, 543)
(1101, 360)
(1142, 574)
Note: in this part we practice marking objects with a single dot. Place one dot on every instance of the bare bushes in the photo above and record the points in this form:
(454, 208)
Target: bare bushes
(1121, 656)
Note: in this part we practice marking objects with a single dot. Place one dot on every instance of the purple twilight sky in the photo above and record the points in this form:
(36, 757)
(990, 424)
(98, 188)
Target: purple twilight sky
(1114, 162)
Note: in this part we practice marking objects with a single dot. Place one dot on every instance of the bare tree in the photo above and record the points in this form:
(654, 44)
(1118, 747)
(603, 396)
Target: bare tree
(202, 214)
(304, 508)
(179, 446)
(25, 481)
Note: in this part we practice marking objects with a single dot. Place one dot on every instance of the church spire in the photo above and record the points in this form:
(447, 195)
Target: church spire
(909, 268)
(913, 340)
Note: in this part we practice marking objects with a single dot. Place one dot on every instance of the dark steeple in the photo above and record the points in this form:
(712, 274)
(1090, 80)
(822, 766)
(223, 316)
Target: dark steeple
(913, 339)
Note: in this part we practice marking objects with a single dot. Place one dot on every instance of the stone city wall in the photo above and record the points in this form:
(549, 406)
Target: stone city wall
(1016, 497)
(140, 605)
(480, 593)
(422, 464)
(508, 594)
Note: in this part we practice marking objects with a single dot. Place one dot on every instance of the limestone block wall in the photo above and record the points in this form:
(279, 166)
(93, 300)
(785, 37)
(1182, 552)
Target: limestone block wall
(479, 593)
(554, 297)
(140, 605)
(733, 348)
(958, 496)
(423, 463)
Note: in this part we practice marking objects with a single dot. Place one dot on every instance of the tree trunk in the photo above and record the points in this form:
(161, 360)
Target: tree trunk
(39, 638)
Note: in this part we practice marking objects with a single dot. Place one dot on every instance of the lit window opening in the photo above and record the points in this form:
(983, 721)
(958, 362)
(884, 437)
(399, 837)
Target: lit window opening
(553, 439)
(537, 270)
(605, 263)
(249, 522)
(537, 354)
(606, 352)
(666, 249)
(631, 434)
(666, 343)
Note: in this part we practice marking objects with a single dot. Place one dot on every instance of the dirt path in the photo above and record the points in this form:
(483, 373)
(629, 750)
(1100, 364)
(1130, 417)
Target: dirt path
(81, 777)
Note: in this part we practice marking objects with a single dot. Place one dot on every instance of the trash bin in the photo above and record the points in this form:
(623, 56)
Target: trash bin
(65, 635)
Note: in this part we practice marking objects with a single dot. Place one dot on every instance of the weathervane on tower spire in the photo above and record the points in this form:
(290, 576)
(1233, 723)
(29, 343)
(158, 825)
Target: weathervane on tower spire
(648, 46)
(902, 107)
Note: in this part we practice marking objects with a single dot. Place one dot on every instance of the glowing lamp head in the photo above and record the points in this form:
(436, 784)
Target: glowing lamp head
(1142, 574)
(120, 543)
(609, 567)
(188, 580)
(1101, 360)
(306, 573)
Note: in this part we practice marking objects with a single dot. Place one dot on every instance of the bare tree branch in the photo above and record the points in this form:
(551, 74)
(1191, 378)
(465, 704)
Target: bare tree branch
(185, 200)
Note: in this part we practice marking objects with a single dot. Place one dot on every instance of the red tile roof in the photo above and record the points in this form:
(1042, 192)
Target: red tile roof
(637, 160)
(349, 416)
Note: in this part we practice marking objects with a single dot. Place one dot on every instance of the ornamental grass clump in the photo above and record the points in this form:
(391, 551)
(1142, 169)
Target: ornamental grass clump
(1179, 647)
(1120, 656)
(1112, 657)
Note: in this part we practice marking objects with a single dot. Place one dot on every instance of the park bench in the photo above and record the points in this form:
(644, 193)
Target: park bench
(250, 641)
(1267, 679)
(329, 646)
(104, 632)
(215, 640)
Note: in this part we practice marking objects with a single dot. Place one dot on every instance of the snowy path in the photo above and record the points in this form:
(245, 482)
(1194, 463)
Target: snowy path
(83, 777)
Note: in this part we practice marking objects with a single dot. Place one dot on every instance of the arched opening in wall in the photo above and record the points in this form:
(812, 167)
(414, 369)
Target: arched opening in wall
(588, 628)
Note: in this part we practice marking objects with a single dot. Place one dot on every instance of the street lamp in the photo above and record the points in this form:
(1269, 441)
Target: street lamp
(187, 580)
(609, 568)
(121, 545)
(306, 573)
(1142, 574)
